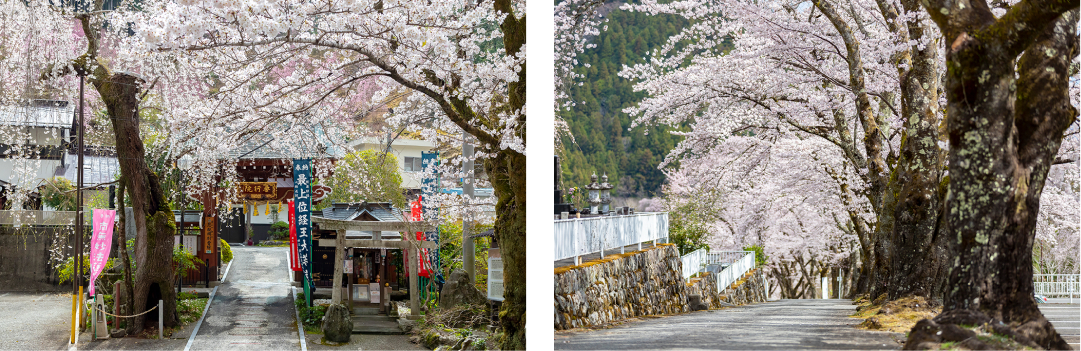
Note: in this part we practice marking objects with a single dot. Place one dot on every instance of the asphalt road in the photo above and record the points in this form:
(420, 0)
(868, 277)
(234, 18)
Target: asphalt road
(35, 321)
(777, 325)
(253, 308)
(1066, 318)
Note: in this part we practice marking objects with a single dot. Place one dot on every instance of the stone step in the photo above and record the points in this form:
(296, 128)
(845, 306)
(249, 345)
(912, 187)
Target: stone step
(357, 311)
(376, 324)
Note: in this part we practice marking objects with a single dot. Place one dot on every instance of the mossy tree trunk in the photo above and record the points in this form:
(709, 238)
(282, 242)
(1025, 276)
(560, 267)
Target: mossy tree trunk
(1004, 134)
(909, 246)
(154, 220)
(507, 173)
(906, 197)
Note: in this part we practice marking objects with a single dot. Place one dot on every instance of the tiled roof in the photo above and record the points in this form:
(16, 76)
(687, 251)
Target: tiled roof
(381, 211)
(96, 169)
(40, 113)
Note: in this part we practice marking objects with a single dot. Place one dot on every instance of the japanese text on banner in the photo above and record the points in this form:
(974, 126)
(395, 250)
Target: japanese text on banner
(101, 243)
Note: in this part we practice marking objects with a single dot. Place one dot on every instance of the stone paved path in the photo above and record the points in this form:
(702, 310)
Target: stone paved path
(253, 309)
(777, 325)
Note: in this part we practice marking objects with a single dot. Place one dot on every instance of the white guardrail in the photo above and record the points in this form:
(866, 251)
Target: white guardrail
(1057, 285)
(579, 236)
(729, 266)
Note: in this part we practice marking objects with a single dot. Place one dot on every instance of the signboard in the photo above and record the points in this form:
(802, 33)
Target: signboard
(302, 196)
(373, 288)
(258, 190)
(294, 263)
(495, 275)
(210, 226)
(347, 266)
(100, 243)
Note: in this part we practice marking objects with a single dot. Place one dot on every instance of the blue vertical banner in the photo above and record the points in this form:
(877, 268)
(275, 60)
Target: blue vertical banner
(430, 160)
(302, 206)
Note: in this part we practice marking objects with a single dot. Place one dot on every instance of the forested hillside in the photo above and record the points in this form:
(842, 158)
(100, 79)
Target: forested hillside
(602, 142)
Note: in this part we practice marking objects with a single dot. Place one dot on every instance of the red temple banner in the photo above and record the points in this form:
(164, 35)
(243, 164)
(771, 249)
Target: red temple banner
(294, 264)
(417, 214)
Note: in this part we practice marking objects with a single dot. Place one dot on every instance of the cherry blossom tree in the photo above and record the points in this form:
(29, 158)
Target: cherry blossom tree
(221, 73)
(464, 60)
(860, 75)
(863, 76)
(1007, 87)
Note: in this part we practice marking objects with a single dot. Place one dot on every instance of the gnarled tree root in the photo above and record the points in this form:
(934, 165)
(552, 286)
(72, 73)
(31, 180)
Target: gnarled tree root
(975, 330)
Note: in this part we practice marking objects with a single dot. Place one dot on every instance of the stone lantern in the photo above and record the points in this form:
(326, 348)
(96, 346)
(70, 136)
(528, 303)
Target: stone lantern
(594, 195)
(606, 194)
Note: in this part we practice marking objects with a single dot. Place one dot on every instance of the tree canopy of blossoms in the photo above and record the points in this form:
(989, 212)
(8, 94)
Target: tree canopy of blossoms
(859, 78)
(219, 74)
(463, 60)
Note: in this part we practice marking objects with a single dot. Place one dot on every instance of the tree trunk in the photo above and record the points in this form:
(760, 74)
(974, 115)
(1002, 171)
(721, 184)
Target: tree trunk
(154, 221)
(1042, 115)
(909, 254)
(508, 176)
(999, 156)
(129, 285)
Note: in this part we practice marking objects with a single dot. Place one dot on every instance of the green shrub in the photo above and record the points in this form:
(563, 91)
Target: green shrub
(226, 251)
(312, 317)
(279, 231)
(759, 254)
(65, 269)
(58, 193)
(185, 261)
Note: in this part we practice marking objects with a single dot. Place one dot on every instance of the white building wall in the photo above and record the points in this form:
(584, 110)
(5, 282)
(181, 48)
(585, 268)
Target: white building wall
(401, 148)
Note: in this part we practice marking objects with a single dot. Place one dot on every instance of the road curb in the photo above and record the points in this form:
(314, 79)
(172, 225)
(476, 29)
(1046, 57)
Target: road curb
(300, 324)
(209, 301)
(226, 274)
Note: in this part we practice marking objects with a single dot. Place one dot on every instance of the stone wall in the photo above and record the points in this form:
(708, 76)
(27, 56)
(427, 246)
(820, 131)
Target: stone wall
(640, 283)
(749, 289)
(706, 287)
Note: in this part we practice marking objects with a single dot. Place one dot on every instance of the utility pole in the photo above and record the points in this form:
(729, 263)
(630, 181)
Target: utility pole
(180, 202)
(468, 255)
(78, 281)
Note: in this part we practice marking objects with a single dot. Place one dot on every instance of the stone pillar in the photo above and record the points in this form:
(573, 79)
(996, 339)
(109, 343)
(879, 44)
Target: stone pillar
(247, 224)
(337, 324)
(414, 295)
(339, 253)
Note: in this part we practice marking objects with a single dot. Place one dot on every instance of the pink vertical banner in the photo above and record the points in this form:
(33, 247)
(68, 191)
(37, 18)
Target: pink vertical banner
(101, 242)
(294, 263)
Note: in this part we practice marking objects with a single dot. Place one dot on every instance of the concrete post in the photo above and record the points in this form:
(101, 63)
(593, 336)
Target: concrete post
(161, 320)
(339, 253)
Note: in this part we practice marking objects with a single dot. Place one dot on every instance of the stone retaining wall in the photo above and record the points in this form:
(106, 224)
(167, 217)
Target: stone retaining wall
(749, 289)
(639, 283)
(705, 286)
